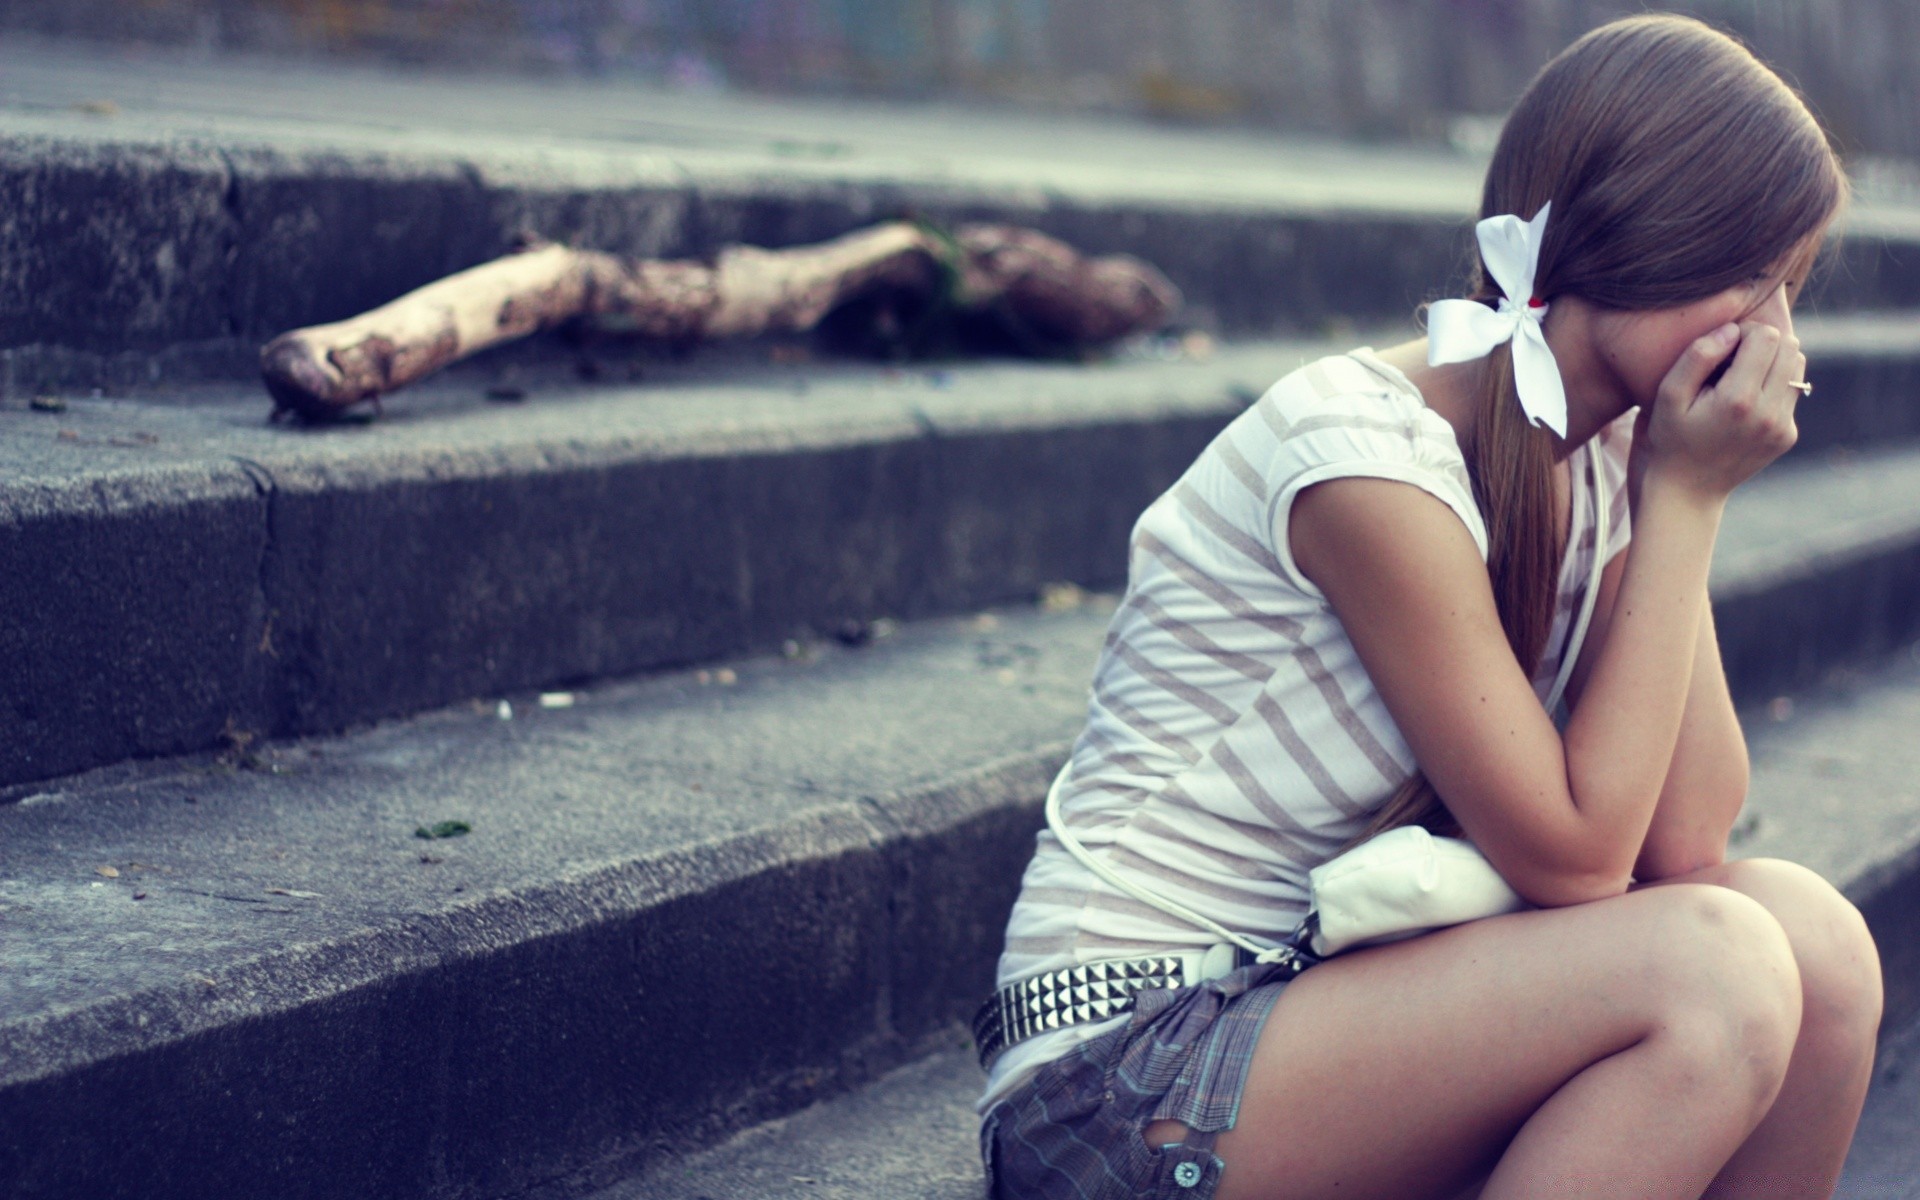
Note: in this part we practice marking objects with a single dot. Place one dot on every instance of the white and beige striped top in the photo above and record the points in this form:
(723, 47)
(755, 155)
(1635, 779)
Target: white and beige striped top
(1233, 739)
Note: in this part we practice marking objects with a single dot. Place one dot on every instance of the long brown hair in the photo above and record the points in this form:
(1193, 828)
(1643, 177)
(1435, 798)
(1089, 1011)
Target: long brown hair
(1678, 166)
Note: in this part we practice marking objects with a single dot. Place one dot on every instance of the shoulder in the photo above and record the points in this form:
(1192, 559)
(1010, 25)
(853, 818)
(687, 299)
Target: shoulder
(1341, 408)
(1356, 385)
(1371, 537)
(1349, 416)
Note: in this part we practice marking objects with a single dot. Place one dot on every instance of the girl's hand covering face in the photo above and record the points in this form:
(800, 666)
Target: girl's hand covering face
(1711, 437)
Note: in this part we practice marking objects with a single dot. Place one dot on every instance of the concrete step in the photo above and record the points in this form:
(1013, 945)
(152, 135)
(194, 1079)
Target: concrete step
(181, 575)
(1868, 370)
(1885, 1162)
(1276, 64)
(683, 906)
(241, 579)
(910, 1135)
(168, 213)
(1818, 568)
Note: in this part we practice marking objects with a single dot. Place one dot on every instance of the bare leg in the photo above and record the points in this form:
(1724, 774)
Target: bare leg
(1801, 1146)
(1799, 1149)
(1622, 1048)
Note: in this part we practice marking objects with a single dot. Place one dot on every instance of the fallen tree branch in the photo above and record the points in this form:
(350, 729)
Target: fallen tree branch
(1048, 295)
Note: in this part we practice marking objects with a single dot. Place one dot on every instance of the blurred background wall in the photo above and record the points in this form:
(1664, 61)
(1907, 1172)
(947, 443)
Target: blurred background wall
(1368, 68)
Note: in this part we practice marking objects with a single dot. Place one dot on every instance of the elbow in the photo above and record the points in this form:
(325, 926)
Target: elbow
(1578, 869)
(1696, 837)
(1575, 874)
(1574, 863)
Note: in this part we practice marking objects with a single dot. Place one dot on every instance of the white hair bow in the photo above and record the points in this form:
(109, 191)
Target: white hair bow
(1461, 330)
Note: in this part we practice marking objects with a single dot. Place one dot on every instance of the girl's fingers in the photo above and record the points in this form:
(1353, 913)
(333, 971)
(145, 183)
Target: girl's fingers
(1719, 435)
(1790, 365)
(1781, 397)
(1743, 384)
(1690, 371)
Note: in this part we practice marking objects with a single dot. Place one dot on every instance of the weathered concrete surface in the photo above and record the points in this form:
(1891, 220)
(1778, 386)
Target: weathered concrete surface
(683, 906)
(317, 231)
(111, 246)
(305, 193)
(1867, 368)
(240, 580)
(910, 1135)
(1818, 566)
(256, 580)
(132, 611)
(1363, 67)
(1885, 1161)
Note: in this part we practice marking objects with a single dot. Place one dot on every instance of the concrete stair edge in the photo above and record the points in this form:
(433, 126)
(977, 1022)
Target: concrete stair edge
(246, 582)
(245, 1057)
(245, 1076)
(218, 244)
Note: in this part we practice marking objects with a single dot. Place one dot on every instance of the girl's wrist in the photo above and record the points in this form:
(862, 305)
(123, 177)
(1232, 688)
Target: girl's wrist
(1671, 488)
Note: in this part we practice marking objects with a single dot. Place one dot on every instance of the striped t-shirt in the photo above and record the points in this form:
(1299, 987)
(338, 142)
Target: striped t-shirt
(1233, 740)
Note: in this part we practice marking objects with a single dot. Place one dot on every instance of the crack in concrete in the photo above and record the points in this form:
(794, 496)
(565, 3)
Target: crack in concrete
(231, 205)
(259, 673)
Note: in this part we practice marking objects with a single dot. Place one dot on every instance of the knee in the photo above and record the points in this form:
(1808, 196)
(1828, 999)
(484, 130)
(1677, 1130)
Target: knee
(1726, 989)
(1833, 950)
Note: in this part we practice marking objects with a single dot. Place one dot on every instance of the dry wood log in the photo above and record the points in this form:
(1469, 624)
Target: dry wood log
(1057, 294)
(1049, 294)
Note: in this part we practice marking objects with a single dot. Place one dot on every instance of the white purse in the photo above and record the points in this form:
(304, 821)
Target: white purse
(1396, 884)
(1400, 883)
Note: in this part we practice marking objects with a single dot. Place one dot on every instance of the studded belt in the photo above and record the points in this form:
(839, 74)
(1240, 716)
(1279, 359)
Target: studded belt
(1096, 990)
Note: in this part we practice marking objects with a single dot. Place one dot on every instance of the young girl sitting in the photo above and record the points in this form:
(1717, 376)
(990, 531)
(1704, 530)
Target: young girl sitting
(1349, 615)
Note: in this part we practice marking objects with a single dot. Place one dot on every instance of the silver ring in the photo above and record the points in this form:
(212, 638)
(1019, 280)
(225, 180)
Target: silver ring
(1806, 389)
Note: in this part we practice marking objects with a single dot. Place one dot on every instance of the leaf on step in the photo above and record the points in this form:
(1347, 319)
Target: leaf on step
(109, 872)
(280, 891)
(443, 829)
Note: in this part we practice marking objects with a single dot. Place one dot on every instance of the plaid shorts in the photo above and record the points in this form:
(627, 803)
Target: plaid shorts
(1074, 1131)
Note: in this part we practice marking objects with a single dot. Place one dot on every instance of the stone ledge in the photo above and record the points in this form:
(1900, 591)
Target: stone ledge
(225, 202)
(606, 964)
(685, 906)
(463, 549)
(187, 574)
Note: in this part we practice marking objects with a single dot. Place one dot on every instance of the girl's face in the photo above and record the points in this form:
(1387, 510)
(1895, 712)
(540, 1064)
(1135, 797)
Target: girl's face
(1639, 348)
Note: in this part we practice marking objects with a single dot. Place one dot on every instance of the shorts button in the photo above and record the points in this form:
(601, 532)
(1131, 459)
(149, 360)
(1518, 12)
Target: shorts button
(1187, 1174)
(1108, 1097)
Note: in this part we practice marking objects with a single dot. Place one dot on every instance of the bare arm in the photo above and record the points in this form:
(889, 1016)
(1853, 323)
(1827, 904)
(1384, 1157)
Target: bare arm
(1706, 781)
(1564, 818)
